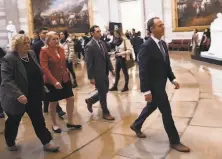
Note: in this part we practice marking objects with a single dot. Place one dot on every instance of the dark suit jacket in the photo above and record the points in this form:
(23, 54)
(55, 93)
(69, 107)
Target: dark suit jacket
(153, 70)
(14, 82)
(2, 54)
(36, 47)
(98, 66)
(138, 42)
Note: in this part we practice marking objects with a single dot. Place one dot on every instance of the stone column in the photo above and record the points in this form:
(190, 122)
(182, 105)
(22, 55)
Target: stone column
(23, 15)
(11, 10)
(3, 23)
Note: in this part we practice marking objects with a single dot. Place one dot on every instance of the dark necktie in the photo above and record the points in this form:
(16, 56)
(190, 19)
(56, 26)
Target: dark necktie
(101, 48)
(162, 50)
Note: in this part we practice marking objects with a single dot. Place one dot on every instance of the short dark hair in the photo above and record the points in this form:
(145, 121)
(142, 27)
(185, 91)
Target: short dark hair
(138, 33)
(21, 32)
(66, 34)
(36, 31)
(44, 28)
(150, 23)
(92, 29)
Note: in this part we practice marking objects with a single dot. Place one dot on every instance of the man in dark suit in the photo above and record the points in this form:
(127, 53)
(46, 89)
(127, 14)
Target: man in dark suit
(154, 69)
(147, 35)
(36, 47)
(138, 42)
(98, 67)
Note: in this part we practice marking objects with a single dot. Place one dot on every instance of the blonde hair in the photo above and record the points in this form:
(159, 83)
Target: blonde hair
(16, 40)
(49, 36)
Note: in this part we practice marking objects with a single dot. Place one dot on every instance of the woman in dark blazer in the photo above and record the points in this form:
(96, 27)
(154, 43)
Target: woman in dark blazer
(2, 54)
(22, 90)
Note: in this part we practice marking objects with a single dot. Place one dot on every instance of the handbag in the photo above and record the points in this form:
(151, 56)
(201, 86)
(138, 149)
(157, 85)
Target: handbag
(129, 62)
(46, 90)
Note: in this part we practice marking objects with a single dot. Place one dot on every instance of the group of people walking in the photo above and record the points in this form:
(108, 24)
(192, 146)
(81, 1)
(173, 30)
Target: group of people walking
(42, 73)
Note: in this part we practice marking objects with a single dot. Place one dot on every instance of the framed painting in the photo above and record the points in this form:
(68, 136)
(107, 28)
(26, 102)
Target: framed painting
(194, 14)
(75, 16)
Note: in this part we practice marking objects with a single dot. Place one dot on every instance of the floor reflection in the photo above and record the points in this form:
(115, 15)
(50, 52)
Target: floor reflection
(196, 108)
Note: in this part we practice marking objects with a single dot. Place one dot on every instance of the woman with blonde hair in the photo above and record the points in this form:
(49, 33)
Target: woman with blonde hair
(56, 78)
(22, 90)
(123, 51)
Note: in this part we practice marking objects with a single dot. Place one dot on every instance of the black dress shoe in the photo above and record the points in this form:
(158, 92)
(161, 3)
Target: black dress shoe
(114, 88)
(13, 148)
(49, 148)
(2, 115)
(58, 131)
(125, 89)
(138, 132)
(61, 113)
(75, 127)
(180, 147)
(74, 85)
(108, 117)
(89, 105)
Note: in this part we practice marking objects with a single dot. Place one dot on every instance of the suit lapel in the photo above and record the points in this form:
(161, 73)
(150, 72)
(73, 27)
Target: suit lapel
(158, 49)
(61, 53)
(52, 52)
(98, 48)
(35, 60)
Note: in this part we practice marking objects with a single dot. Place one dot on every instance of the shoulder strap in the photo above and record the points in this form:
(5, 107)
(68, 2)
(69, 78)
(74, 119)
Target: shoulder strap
(124, 42)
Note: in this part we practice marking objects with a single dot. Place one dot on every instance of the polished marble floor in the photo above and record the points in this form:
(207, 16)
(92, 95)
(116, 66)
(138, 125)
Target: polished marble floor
(196, 107)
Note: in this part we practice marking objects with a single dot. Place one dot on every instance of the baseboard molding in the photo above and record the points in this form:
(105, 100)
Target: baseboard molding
(199, 58)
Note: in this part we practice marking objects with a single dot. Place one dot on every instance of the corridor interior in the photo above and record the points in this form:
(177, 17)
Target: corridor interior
(196, 108)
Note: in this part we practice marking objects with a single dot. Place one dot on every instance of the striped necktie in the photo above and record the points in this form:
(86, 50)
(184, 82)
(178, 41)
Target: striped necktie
(101, 48)
(162, 50)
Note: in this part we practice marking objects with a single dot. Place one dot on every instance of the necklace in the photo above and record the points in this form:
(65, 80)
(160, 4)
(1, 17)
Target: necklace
(26, 59)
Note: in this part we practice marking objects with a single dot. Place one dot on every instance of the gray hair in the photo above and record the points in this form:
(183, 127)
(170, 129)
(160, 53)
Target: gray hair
(16, 40)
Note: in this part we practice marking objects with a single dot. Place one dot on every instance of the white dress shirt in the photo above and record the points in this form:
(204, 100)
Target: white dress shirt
(157, 43)
(125, 49)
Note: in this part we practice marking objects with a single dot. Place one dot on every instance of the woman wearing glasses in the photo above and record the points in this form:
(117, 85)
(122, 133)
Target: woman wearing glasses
(22, 90)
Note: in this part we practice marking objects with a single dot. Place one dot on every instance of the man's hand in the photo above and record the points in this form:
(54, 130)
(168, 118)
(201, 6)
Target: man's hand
(92, 81)
(148, 97)
(176, 84)
(22, 99)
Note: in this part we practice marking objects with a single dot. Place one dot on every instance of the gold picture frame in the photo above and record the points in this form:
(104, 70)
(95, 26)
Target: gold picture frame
(31, 23)
(176, 28)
